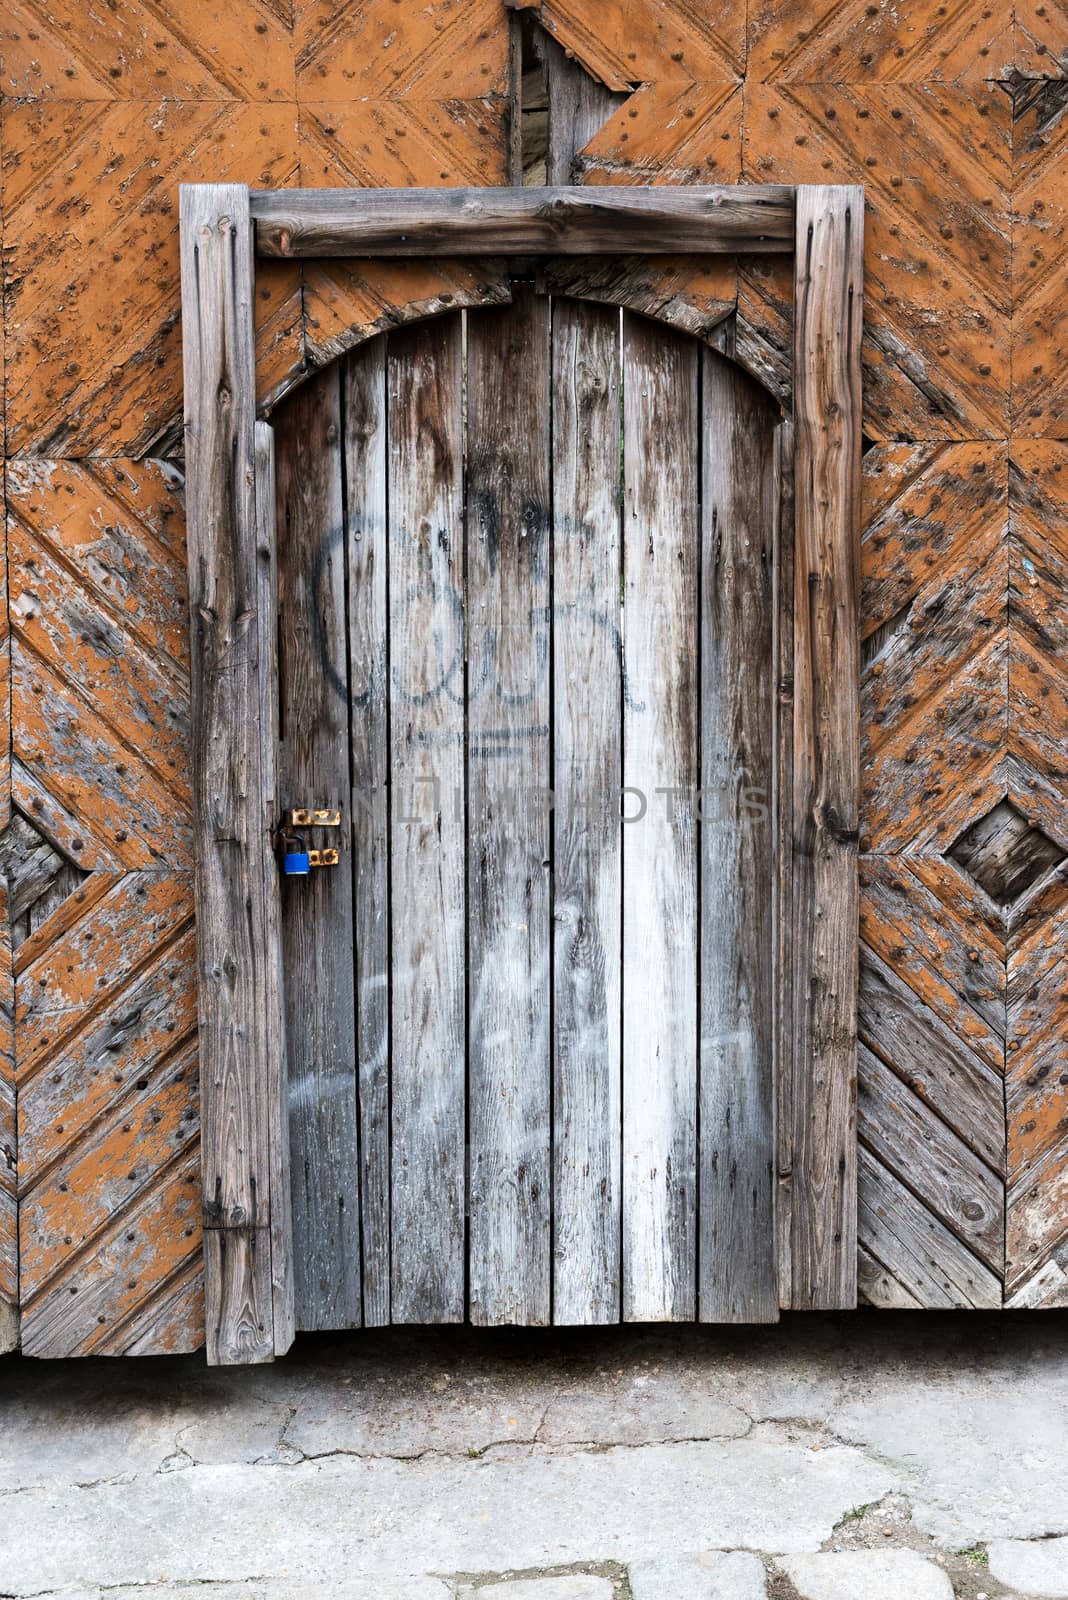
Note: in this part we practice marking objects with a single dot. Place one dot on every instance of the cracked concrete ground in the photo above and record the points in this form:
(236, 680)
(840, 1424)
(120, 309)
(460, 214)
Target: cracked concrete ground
(870, 1456)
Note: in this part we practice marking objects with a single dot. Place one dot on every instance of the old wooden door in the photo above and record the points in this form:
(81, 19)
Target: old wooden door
(527, 617)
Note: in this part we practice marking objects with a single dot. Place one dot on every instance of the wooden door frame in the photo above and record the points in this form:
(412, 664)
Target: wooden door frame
(233, 603)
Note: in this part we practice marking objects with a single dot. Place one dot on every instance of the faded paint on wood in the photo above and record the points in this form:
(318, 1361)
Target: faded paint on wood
(508, 499)
(317, 916)
(428, 909)
(739, 489)
(363, 411)
(9, 1253)
(239, 1032)
(660, 773)
(587, 712)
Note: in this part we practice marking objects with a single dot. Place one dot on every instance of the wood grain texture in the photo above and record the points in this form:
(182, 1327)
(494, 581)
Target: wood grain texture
(738, 1280)
(317, 914)
(578, 106)
(550, 221)
(363, 409)
(283, 1267)
(427, 643)
(828, 311)
(587, 777)
(509, 502)
(660, 773)
(229, 655)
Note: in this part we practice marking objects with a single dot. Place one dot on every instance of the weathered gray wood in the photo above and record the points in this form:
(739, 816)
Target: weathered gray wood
(737, 1273)
(757, 218)
(918, 1252)
(426, 711)
(660, 721)
(587, 776)
(317, 922)
(282, 1274)
(932, 1060)
(784, 865)
(508, 596)
(363, 409)
(907, 1136)
(229, 655)
(638, 283)
(29, 864)
(827, 409)
(579, 106)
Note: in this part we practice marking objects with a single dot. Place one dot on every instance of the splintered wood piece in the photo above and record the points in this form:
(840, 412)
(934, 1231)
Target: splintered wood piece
(508, 619)
(317, 923)
(660, 774)
(427, 848)
(738, 1281)
(587, 776)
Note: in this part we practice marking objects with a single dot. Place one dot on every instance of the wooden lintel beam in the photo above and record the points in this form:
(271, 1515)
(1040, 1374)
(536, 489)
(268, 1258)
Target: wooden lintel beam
(550, 221)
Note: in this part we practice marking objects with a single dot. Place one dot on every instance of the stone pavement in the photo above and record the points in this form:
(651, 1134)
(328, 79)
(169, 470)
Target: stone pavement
(864, 1457)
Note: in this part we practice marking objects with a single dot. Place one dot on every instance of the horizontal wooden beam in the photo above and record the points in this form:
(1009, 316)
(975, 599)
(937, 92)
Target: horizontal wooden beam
(551, 221)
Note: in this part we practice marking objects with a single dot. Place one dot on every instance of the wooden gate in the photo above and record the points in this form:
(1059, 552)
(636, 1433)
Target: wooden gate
(583, 685)
(527, 614)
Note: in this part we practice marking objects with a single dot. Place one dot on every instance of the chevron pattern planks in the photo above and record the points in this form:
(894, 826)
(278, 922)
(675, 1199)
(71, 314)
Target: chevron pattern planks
(954, 117)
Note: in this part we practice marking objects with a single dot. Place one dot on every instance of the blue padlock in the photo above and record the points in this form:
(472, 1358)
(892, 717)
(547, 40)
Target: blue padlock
(296, 862)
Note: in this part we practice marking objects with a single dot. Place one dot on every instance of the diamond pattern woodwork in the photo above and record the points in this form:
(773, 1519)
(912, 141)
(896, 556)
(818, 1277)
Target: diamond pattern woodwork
(953, 116)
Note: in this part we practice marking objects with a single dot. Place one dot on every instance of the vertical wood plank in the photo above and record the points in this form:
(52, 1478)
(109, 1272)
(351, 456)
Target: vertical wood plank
(426, 715)
(509, 600)
(317, 924)
(784, 866)
(587, 777)
(737, 1276)
(364, 418)
(238, 1031)
(660, 720)
(827, 406)
(579, 106)
(284, 1293)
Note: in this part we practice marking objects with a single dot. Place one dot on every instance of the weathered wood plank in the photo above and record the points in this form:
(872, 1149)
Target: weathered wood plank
(737, 1271)
(363, 406)
(757, 218)
(932, 1060)
(925, 1260)
(579, 106)
(784, 829)
(587, 849)
(827, 332)
(508, 641)
(317, 920)
(282, 1273)
(228, 658)
(906, 1136)
(660, 721)
(426, 713)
